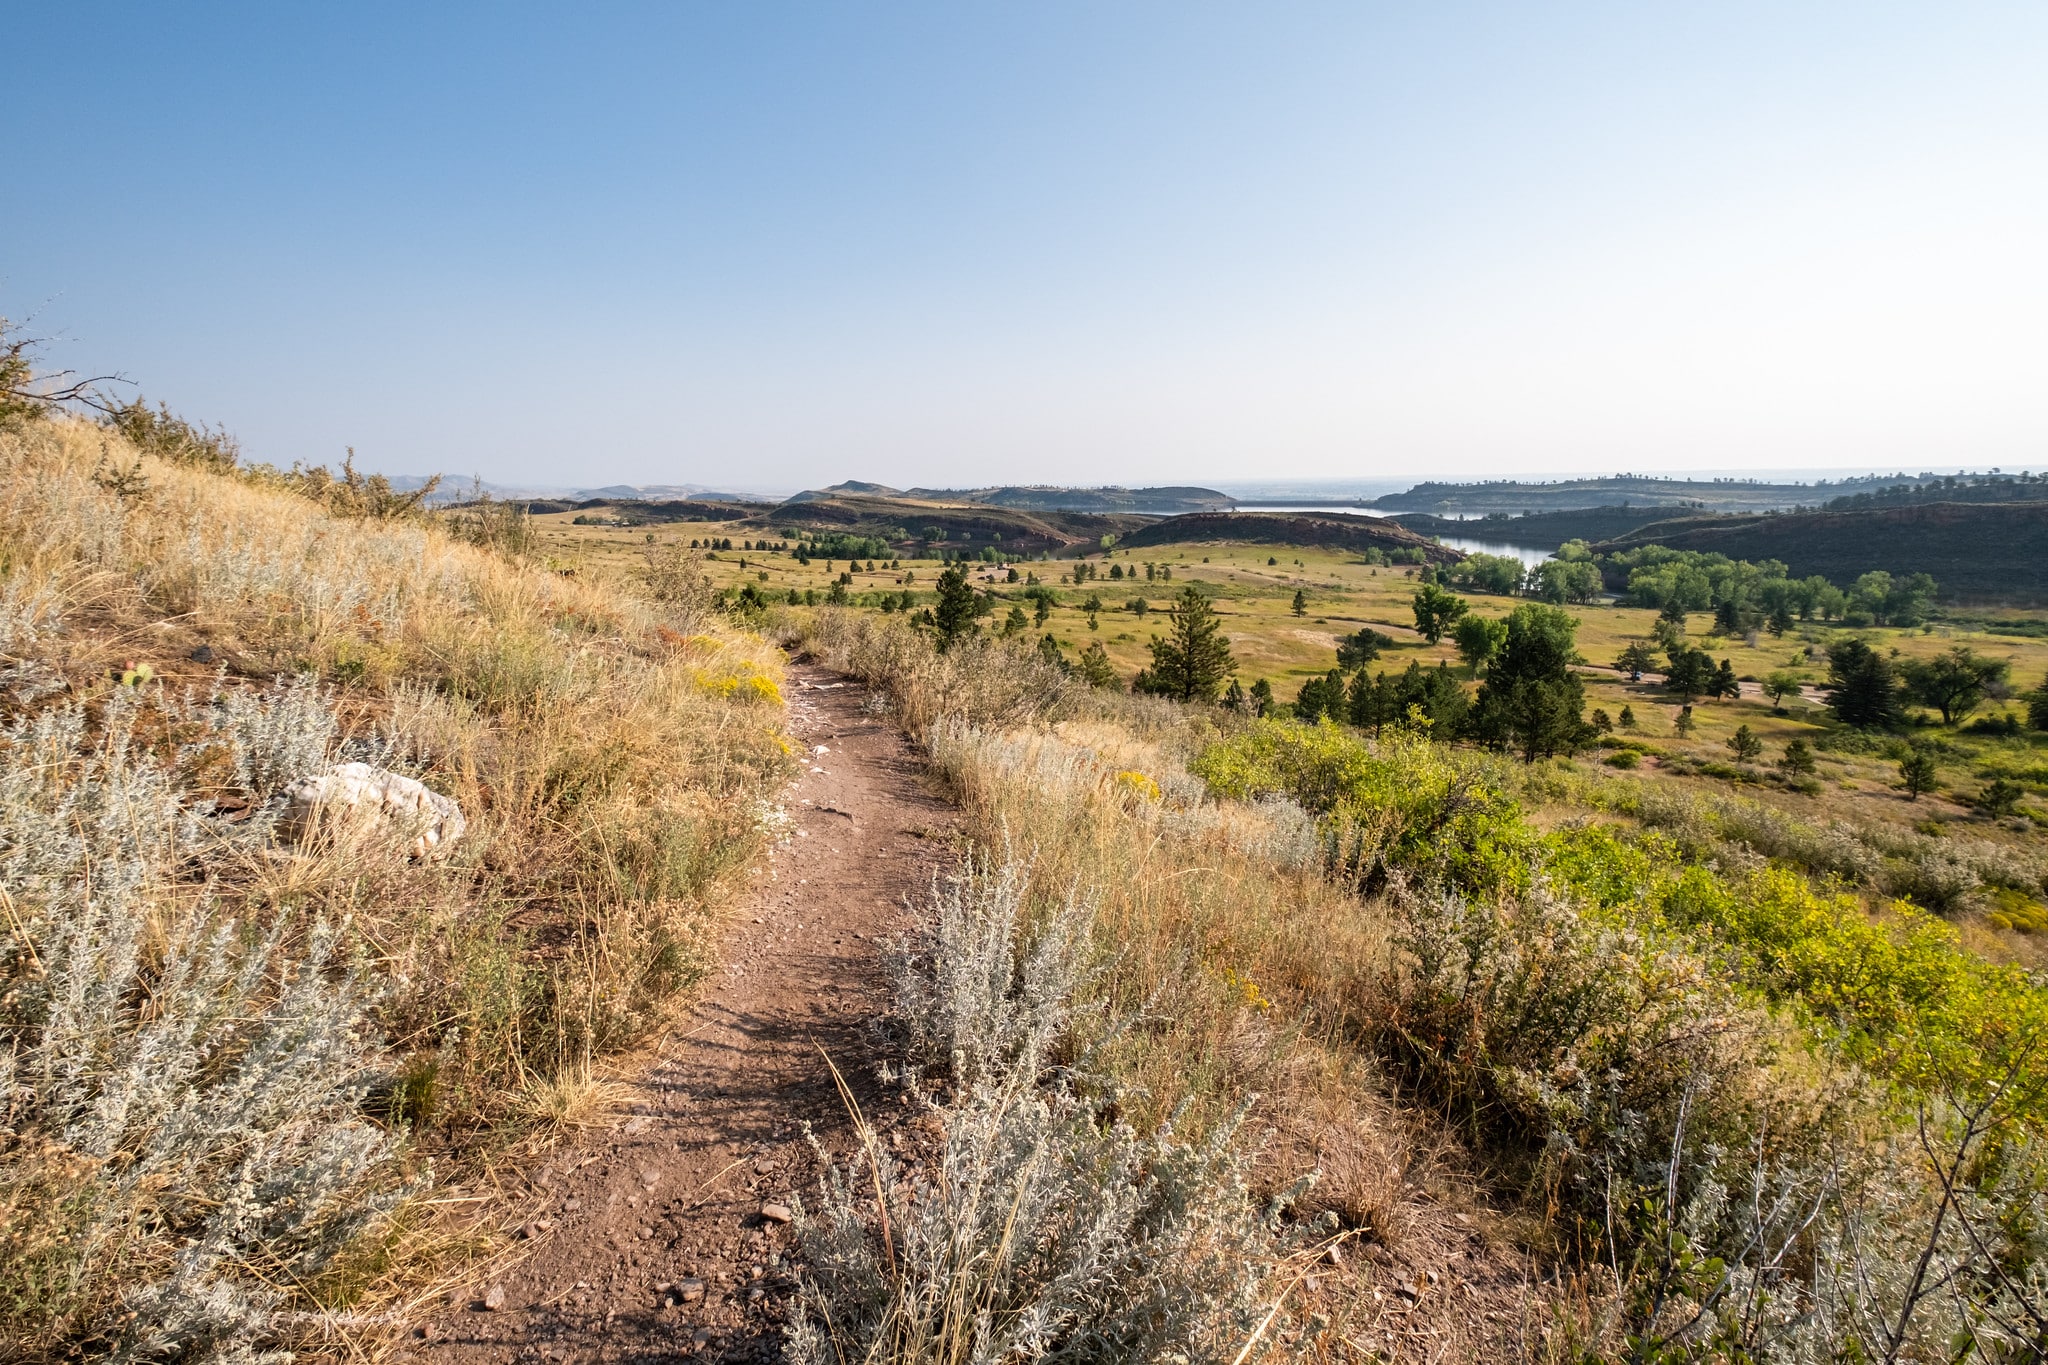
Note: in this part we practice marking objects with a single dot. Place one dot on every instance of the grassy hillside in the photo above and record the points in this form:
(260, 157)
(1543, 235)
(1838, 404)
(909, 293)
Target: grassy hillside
(1535, 1027)
(252, 1066)
(1353, 1045)
(1983, 552)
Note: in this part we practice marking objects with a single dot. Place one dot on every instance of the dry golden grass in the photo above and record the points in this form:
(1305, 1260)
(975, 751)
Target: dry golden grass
(614, 760)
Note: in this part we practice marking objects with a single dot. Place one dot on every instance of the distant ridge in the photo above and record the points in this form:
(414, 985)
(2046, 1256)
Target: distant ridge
(1975, 550)
(1040, 497)
(1708, 495)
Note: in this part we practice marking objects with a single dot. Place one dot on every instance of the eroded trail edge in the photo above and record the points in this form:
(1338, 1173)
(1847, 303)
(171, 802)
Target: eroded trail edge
(662, 1236)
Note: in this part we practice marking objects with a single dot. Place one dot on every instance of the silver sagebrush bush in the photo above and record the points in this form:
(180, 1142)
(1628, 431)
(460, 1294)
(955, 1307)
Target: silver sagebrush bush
(208, 1074)
(1048, 1231)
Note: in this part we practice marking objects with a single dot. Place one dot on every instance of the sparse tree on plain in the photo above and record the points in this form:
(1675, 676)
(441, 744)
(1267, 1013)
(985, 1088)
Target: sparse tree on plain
(1954, 682)
(1863, 688)
(1435, 610)
(1782, 684)
(1916, 773)
(1745, 745)
(1192, 661)
(953, 614)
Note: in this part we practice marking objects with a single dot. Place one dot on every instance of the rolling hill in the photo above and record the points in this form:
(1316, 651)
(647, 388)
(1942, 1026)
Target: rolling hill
(1540, 530)
(1331, 529)
(1039, 497)
(1707, 495)
(1976, 551)
(908, 523)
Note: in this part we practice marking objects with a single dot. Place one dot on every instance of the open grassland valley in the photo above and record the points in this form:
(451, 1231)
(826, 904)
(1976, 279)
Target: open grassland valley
(1279, 951)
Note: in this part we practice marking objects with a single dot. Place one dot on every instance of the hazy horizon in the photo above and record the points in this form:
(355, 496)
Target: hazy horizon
(779, 246)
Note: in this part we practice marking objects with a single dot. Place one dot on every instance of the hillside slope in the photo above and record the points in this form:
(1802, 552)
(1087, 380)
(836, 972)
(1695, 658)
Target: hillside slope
(1978, 551)
(1719, 495)
(252, 1040)
(1539, 530)
(908, 523)
(1332, 529)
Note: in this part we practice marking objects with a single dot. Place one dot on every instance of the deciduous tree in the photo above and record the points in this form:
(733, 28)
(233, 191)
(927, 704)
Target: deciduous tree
(1435, 610)
(1953, 682)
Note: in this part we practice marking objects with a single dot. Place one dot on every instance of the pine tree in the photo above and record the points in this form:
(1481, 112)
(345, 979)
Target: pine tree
(1191, 663)
(1863, 688)
(1531, 699)
(953, 614)
(1095, 668)
(1321, 697)
(1916, 770)
(1300, 602)
(1745, 744)
(1262, 697)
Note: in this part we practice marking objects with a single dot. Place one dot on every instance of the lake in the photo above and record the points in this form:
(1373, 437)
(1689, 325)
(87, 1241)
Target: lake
(1528, 555)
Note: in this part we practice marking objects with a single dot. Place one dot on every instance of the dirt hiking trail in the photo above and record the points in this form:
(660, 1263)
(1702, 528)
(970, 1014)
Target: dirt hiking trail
(662, 1236)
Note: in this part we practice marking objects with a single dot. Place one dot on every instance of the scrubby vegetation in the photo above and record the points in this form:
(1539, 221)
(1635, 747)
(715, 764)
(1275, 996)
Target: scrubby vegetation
(1686, 1055)
(242, 1058)
(1367, 1026)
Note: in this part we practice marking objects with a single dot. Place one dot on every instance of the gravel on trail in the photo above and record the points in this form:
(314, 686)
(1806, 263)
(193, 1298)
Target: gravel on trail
(667, 1234)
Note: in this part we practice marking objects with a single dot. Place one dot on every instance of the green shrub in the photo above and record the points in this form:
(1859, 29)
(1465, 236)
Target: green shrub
(1399, 805)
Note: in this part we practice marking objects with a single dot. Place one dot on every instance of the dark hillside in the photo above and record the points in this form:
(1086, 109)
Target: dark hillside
(1328, 529)
(1976, 551)
(1539, 530)
(648, 512)
(906, 523)
(1707, 495)
(1160, 501)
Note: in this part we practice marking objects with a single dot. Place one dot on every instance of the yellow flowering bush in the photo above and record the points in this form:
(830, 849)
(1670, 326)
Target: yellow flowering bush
(1138, 785)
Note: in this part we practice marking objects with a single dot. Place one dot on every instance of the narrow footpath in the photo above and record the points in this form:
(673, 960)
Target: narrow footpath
(665, 1235)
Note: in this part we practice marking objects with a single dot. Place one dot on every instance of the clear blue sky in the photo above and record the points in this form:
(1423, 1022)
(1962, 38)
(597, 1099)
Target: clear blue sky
(772, 245)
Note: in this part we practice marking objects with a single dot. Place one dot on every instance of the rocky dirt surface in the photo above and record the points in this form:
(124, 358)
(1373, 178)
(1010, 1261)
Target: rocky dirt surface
(667, 1235)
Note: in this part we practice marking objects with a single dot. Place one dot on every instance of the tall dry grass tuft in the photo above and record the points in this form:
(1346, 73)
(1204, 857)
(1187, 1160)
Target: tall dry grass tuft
(233, 1046)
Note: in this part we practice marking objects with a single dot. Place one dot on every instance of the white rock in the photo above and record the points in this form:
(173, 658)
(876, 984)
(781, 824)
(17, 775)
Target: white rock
(378, 797)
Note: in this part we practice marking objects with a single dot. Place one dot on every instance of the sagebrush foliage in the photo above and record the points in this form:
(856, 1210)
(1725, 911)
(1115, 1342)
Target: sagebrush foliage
(1049, 1231)
(183, 1087)
(356, 1010)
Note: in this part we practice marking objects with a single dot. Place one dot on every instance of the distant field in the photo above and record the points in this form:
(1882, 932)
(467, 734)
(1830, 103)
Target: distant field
(1255, 599)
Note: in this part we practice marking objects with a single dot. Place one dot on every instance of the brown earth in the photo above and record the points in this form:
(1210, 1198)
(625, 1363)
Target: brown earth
(651, 1240)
